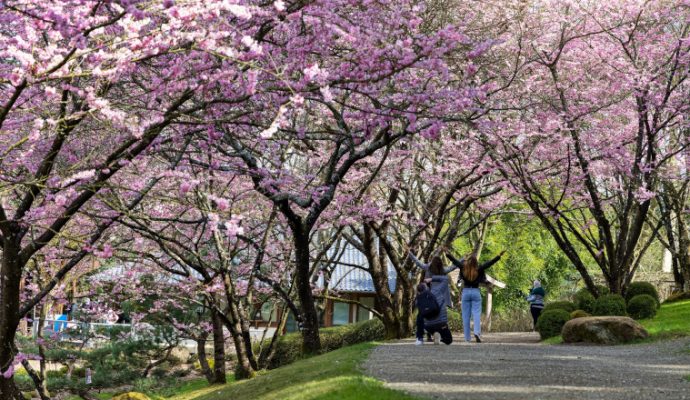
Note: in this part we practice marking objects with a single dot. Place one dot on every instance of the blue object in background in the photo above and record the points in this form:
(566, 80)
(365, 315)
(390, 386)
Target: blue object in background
(59, 325)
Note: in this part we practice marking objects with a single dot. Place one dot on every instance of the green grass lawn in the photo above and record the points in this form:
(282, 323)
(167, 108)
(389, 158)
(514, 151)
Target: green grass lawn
(672, 320)
(335, 375)
(184, 388)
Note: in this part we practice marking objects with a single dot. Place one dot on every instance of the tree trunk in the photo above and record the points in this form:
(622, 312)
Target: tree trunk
(10, 279)
(267, 354)
(247, 338)
(311, 341)
(203, 362)
(218, 348)
(683, 280)
(244, 369)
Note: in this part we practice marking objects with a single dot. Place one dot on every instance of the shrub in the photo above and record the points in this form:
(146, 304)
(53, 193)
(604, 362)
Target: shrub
(584, 300)
(131, 396)
(638, 288)
(512, 320)
(289, 347)
(568, 306)
(210, 360)
(642, 306)
(680, 296)
(603, 290)
(454, 321)
(609, 304)
(579, 314)
(551, 322)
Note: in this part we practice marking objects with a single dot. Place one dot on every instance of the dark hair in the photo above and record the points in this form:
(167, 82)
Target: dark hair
(436, 266)
(421, 287)
(470, 271)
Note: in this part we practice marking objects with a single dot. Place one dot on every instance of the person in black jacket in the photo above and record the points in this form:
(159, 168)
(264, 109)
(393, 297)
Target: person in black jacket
(435, 275)
(472, 275)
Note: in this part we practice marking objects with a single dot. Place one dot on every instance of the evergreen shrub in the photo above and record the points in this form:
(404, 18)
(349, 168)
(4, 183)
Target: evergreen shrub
(609, 304)
(550, 323)
(638, 288)
(642, 306)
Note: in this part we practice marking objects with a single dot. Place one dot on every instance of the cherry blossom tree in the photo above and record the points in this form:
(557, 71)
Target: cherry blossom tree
(580, 122)
(419, 203)
(366, 75)
(220, 242)
(87, 87)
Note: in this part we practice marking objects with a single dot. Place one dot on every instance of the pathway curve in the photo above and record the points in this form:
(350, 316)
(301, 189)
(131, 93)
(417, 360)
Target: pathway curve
(516, 366)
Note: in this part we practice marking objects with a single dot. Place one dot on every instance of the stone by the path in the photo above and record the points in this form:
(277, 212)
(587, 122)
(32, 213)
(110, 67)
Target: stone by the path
(518, 367)
(603, 330)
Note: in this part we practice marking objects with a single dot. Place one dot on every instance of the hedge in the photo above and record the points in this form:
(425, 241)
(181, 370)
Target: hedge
(642, 306)
(550, 323)
(584, 300)
(568, 306)
(289, 347)
(609, 304)
(638, 288)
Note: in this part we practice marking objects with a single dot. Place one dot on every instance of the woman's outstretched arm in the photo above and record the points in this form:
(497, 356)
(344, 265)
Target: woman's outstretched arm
(457, 263)
(491, 262)
(420, 264)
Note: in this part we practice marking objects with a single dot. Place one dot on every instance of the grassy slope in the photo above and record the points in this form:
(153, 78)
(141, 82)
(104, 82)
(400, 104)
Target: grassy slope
(335, 375)
(671, 321)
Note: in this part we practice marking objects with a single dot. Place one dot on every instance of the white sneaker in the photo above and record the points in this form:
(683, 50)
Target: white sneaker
(437, 338)
(419, 342)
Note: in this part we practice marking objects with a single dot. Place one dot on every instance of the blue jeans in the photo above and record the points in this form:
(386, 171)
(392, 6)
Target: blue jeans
(471, 306)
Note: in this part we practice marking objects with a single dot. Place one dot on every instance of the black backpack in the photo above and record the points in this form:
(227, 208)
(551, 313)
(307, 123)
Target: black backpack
(427, 305)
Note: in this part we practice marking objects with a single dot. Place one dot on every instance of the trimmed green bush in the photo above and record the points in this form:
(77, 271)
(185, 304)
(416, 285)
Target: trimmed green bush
(568, 306)
(638, 288)
(603, 290)
(551, 322)
(579, 314)
(609, 304)
(584, 300)
(680, 296)
(289, 347)
(642, 306)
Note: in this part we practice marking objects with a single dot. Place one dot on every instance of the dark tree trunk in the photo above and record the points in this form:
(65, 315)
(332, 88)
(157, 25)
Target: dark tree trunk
(10, 279)
(394, 325)
(244, 369)
(311, 341)
(218, 348)
(683, 279)
(247, 339)
(203, 362)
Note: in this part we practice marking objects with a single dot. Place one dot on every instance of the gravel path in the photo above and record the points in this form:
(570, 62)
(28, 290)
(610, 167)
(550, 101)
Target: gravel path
(515, 366)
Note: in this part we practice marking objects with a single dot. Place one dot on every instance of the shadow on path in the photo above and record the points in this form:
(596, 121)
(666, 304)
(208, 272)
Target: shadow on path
(517, 366)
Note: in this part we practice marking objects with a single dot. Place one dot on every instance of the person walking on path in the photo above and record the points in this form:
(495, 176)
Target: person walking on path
(536, 301)
(436, 276)
(472, 274)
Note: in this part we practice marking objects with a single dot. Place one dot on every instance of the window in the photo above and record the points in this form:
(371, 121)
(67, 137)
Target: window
(291, 324)
(341, 313)
(362, 313)
(268, 312)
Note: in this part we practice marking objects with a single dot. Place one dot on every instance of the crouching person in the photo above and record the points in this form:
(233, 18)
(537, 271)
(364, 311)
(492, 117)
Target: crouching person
(433, 305)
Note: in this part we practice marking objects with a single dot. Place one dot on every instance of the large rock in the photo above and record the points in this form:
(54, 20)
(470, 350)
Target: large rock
(602, 330)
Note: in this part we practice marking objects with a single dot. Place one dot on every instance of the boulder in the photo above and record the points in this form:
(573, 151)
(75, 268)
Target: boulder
(602, 330)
